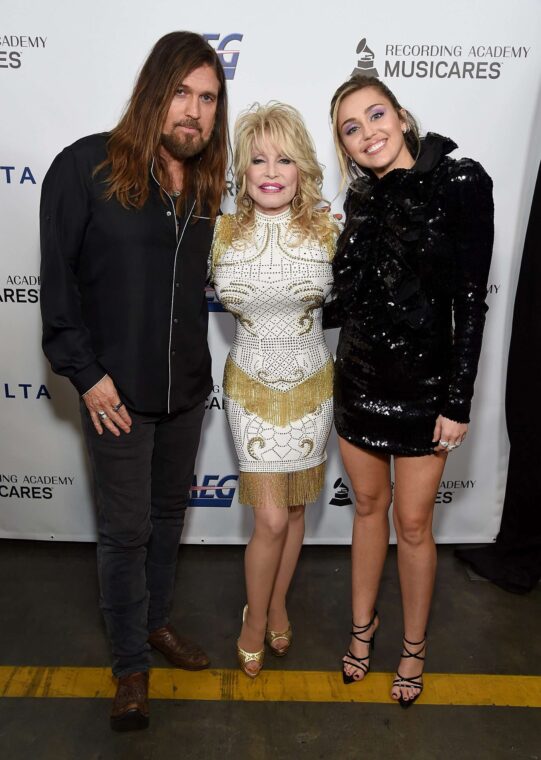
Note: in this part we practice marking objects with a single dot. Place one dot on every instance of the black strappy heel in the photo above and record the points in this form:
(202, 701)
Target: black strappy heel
(360, 663)
(414, 682)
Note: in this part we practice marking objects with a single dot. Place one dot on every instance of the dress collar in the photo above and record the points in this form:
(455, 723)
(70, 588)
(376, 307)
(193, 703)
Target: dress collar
(433, 148)
(280, 218)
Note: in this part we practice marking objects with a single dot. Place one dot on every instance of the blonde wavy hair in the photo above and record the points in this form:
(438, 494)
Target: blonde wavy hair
(284, 127)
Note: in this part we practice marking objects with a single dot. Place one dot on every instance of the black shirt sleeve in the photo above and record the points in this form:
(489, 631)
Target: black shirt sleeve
(64, 215)
(472, 193)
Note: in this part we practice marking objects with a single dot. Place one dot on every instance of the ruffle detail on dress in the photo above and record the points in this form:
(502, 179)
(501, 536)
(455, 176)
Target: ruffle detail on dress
(283, 489)
(274, 406)
(402, 298)
(386, 220)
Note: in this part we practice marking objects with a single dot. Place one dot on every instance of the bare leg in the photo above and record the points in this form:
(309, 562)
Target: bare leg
(369, 474)
(416, 486)
(261, 562)
(277, 613)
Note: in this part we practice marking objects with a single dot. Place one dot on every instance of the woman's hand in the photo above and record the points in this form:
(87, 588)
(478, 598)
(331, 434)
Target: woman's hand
(448, 433)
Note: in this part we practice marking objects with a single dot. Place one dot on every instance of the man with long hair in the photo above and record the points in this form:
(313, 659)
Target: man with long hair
(127, 220)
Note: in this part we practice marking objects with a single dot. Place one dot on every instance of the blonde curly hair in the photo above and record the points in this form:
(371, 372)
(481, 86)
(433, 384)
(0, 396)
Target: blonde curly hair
(284, 127)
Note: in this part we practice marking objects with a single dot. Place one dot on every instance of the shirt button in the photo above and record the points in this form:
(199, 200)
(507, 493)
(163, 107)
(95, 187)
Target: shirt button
(175, 321)
(177, 284)
(169, 213)
(173, 353)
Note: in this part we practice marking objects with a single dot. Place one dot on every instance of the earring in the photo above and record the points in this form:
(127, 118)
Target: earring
(296, 203)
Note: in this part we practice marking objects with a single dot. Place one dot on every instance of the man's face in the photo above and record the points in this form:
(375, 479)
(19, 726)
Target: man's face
(190, 120)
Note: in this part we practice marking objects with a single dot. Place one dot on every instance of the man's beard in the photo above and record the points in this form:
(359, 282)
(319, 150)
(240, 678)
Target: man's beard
(185, 146)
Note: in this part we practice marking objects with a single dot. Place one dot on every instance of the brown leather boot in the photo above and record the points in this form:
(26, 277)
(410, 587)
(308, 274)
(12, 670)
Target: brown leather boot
(130, 707)
(178, 650)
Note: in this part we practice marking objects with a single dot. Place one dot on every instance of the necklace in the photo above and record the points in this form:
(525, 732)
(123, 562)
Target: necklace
(176, 193)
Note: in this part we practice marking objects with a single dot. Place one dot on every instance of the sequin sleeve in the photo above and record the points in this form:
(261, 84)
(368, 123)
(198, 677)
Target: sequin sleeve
(471, 194)
(334, 311)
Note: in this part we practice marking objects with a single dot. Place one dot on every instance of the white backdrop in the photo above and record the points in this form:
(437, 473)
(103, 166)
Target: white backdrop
(469, 69)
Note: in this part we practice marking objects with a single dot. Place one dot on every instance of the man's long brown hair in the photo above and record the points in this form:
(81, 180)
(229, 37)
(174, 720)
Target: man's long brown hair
(134, 142)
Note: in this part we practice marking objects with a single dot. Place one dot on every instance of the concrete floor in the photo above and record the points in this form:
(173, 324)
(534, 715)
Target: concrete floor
(48, 598)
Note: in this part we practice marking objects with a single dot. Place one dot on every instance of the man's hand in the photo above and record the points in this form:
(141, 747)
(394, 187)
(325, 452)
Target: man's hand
(106, 409)
(448, 434)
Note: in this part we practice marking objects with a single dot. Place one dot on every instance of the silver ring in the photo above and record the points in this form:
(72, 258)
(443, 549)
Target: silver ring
(451, 446)
(102, 414)
(118, 406)
(445, 444)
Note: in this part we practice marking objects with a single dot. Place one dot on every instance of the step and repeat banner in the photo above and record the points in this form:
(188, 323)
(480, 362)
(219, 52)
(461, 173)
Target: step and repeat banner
(469, 69)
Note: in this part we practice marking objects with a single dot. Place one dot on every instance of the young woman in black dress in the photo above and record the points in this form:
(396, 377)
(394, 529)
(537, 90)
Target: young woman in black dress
(410, 274)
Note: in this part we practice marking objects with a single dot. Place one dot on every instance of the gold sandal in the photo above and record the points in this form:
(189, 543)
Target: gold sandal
(272, 636)
(245, 657)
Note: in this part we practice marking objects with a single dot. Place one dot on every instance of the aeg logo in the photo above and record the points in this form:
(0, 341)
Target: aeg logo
(214, 491)
(229, 58)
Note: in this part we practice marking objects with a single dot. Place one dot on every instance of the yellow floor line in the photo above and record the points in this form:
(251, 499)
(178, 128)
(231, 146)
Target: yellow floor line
(272, 686)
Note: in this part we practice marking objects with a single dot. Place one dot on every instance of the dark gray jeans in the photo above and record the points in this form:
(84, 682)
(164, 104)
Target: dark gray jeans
(142, 483)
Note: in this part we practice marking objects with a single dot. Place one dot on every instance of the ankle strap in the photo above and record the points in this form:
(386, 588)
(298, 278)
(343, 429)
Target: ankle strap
(415, 643)
(359, 629)
(416, 655)
(364, 628)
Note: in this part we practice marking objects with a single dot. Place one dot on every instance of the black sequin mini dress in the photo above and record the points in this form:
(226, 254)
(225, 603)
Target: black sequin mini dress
(410, 283)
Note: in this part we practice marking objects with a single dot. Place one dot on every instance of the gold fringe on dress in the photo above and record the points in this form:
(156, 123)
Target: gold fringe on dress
(283, 489)
(278, 407)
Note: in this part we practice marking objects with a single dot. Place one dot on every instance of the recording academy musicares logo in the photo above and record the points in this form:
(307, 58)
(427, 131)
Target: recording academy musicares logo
(341, 494)
(20, 288)
(33, 486)
(14, 48)
(447, 491)
(433, 60)
(365, 62)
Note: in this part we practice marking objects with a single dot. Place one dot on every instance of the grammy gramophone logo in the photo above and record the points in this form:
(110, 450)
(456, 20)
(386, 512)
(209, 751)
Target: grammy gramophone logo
(341, 494)
(365, 61)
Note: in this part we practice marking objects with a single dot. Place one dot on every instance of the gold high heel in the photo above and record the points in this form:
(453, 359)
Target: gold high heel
(272, 636)
(245, 657)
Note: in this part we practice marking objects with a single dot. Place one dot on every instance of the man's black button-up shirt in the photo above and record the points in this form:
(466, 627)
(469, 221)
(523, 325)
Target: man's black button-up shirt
(123, 290)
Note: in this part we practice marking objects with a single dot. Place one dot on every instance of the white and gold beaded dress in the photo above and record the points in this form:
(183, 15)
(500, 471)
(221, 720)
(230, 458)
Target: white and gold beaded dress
(278, 375)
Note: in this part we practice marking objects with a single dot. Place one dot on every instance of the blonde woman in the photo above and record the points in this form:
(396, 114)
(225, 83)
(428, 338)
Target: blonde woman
(271, 267)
